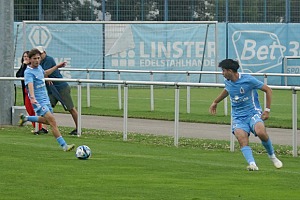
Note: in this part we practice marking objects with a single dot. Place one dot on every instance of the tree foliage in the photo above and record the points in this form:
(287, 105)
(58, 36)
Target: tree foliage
(154, 10)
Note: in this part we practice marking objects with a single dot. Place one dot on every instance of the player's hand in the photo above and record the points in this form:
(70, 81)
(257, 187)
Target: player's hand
(62, 64)
(213, 108)
(49, 82)
(265, 115)
(33, 100)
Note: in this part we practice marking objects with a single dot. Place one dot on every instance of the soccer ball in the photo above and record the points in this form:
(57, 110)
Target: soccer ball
(83, 152)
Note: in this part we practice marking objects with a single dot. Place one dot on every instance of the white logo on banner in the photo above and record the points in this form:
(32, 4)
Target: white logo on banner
(126, 52)
(124, 59)
(259, 49)
(171, 54)
(40, 36)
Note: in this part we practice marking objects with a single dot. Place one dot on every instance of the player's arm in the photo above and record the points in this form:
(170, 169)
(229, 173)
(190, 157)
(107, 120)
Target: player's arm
(267, 109)
(213, 106)
(31, 93)
(52, 69)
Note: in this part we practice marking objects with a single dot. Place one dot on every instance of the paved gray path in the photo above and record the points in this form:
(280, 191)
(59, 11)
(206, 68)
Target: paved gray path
(159, 127)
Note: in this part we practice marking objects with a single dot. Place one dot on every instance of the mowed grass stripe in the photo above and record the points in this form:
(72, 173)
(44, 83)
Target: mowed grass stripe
(35, 167)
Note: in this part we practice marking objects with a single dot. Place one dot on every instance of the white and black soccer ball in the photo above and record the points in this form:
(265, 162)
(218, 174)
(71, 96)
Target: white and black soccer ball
(83, 152)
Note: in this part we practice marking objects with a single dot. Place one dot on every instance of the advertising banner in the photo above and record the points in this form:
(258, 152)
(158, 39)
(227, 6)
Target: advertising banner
(165, 47)
(260, 48)
(80, 45)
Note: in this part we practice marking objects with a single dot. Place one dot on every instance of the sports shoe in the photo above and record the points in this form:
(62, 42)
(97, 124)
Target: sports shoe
(69, 147)
(252, 168)
(74, 132)
(277, 163)
(22, 120)
(42, 130)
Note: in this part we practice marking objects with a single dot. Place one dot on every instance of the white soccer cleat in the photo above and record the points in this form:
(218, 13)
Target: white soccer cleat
(277, 163)
(22, 120)
(69, 147)
(252, 168)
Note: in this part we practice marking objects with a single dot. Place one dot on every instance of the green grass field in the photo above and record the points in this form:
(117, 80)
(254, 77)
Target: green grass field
(144, 167)
(104, 101)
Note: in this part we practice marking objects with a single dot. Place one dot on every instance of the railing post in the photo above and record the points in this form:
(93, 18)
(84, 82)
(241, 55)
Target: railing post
(151, 93)
(88, 90)
(176, 115)
(188, 94)
(232, 138)
(125, 116)
(294, 113)
(226, 106)
(79, 109)
(119, 92)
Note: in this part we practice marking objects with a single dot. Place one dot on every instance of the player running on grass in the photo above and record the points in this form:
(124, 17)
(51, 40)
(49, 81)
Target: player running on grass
(58, 90)
(247, 115)
(35, 84)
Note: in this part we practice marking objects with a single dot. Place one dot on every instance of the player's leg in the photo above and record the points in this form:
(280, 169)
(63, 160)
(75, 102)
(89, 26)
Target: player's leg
(259, 130)
(74, 115)
(246, 150)
(53, 102)
(39, 110)
(241, 130)
(31, 112)
(48, 116)
(47, 113)
(65, 94)
(33, 119)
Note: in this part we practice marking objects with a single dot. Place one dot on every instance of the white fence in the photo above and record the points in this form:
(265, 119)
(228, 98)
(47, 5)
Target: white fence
(177, 86)
(151, 78)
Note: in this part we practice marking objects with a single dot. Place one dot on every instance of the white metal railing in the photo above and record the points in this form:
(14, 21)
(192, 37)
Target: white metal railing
(152, 72)
(176, 112)
(151, 78)
(188, 73)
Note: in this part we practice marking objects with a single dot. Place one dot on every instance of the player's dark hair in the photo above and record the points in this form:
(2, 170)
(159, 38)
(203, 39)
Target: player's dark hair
(33, 52)
(229, 64)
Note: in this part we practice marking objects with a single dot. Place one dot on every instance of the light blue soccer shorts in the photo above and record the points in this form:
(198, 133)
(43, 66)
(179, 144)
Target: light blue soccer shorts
(42, 109)
(246, 123)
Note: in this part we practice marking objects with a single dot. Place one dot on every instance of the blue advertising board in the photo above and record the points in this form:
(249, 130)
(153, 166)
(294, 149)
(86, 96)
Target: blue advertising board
(168, 47)
(261, 48)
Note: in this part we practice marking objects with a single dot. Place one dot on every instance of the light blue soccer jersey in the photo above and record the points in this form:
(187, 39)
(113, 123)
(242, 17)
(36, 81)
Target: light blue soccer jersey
(36, 76)
(243, 95)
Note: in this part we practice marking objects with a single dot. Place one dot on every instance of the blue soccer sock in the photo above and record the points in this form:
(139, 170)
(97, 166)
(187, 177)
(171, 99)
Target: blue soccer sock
(61, 141)
(268, 146)
(32, 118)
(247, 152)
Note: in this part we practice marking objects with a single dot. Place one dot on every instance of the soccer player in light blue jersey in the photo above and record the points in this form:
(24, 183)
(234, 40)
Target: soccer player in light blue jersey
(58, 90)
(247, 115)
(37, 93)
